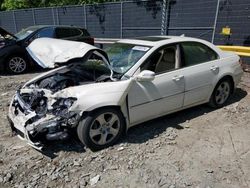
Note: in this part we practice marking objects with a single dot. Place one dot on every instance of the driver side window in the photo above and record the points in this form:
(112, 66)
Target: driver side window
(162, 60)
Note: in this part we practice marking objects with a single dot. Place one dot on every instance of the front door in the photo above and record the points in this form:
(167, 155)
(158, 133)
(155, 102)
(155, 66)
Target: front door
(151, 99)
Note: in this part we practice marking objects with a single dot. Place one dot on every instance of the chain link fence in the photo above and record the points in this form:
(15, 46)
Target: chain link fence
(126, 19)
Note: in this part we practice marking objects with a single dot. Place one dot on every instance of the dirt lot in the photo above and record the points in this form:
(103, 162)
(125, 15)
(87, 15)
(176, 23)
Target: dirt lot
(198, 147)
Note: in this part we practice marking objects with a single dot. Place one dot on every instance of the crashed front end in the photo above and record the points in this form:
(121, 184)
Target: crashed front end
(42, 110)
(36, 116)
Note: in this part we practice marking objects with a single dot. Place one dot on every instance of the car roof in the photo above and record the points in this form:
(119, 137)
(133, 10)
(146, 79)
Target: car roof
(159, 40)
(53, 26)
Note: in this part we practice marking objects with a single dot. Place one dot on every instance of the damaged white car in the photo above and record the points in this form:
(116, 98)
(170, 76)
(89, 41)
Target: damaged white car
(101, 94)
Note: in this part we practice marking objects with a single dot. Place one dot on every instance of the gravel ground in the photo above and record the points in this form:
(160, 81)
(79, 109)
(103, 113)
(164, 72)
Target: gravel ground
(198, 147)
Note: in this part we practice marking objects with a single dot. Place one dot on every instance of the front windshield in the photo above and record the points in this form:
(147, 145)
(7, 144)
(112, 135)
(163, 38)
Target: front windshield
(123, 56)
(25, 32)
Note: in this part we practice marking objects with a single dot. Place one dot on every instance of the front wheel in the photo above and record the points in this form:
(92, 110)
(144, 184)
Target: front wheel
(221, 93)
(17, 65)
(101, 128)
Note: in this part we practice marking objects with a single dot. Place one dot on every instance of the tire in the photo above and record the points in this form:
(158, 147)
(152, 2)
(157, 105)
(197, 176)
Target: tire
(221, 93)
(16, 65)
(101, 128)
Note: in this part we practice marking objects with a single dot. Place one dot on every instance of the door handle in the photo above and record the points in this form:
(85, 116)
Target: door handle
(177, 78)
(214, 68)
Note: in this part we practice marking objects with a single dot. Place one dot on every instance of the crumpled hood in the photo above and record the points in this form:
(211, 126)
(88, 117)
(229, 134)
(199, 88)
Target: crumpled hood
(48, 52)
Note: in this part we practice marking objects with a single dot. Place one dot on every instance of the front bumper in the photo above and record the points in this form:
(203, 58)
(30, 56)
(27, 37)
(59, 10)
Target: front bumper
(22, 133)
(17, 120)
(35, 128)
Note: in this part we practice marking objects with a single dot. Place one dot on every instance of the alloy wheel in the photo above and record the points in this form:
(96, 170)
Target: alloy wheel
(222, 92)
(17, 65)
(104, 128)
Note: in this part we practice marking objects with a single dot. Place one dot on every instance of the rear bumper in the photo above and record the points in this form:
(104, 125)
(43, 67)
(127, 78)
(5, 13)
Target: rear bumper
(237, 77)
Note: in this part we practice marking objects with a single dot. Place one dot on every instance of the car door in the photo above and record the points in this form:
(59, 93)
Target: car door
(150, 99)
(200, 70)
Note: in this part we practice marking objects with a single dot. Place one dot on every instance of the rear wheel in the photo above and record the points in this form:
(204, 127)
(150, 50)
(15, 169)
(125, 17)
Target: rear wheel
(221, 93)
(101, 128)
(17, 65)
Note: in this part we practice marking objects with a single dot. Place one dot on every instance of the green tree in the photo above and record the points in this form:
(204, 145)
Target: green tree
(18, 4)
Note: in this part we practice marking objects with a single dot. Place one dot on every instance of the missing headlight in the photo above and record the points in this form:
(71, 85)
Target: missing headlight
(62, 105)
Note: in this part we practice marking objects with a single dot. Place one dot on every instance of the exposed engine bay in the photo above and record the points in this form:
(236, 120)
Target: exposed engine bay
(47, 116)
(74, 74)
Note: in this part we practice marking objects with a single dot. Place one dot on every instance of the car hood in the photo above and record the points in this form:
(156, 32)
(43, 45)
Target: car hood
(4, 33)
(49, 52)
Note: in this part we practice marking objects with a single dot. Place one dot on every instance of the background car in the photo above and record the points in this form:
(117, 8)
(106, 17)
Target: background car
(13, 55)
(102, 94)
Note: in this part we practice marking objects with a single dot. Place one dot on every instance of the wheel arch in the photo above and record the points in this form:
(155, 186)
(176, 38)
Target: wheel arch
(211, 101)
(228, 77)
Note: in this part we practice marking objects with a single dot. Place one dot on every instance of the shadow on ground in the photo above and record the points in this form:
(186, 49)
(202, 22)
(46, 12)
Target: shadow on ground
(70, 145)
(148, 130)
(145, 131)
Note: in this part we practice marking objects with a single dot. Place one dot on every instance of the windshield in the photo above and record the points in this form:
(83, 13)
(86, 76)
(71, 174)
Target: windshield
(25, 32)
(124, 56)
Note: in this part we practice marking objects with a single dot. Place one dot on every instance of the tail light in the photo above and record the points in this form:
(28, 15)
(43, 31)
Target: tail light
(90, 40)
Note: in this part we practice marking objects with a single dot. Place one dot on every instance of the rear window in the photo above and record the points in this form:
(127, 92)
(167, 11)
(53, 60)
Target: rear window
(196, 53)
(67, 32)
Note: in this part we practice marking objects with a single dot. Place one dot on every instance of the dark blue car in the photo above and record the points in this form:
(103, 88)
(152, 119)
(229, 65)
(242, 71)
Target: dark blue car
(14, 58)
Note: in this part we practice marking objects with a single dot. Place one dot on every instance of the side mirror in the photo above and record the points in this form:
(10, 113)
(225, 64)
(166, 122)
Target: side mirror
(145, 76)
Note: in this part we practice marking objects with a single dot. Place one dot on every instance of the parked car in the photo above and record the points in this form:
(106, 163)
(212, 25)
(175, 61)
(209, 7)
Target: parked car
(100, 95)
(13, 55)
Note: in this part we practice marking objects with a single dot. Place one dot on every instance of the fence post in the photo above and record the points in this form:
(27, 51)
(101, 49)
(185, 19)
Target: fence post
(215, 20)
(57, 16)
(53, 16)
(33, 16)
(14, 20)
(85, 16)
(164, 20)
(121, 34)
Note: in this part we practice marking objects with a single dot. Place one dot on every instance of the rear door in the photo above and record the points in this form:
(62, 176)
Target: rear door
(200, 69)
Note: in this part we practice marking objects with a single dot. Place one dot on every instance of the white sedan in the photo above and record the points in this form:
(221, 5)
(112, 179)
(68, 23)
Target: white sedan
(101, 94)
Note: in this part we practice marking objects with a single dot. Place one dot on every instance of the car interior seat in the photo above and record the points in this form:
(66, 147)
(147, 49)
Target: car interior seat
(167, 62)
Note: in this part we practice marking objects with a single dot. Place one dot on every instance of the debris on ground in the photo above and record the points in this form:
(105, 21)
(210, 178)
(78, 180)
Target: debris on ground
(197, 147)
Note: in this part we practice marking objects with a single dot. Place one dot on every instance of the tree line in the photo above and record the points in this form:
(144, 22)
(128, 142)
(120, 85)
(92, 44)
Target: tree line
(21, 4)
